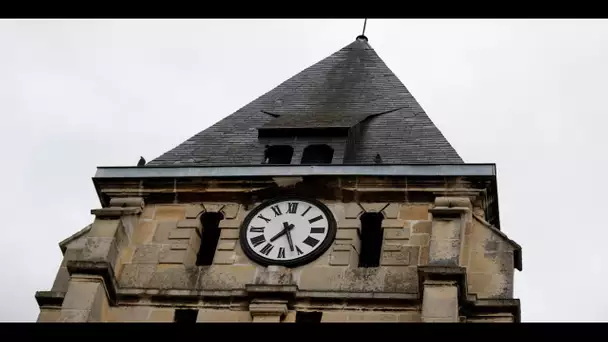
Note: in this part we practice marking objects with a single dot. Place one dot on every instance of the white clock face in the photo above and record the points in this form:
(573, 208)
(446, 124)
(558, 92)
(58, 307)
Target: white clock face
(281, 232)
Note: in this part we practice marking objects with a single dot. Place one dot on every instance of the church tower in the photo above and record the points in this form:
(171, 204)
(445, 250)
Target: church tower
(331, 198)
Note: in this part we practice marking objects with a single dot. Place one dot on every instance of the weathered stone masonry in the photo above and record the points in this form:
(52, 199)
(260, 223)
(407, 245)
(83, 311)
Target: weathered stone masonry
(440, 260)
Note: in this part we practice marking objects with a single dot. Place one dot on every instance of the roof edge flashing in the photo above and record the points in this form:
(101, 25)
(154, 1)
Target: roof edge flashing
(441, 170)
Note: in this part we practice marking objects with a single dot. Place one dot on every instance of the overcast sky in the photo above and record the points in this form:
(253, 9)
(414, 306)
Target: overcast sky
(528, 95)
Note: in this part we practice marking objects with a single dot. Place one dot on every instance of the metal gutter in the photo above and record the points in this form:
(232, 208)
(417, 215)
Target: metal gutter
(297, 170)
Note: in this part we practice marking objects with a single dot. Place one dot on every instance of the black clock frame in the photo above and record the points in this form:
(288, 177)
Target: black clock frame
(303, 260)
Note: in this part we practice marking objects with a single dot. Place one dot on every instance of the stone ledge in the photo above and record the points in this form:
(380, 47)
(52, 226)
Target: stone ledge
(445, 211)
(49, 298)
(491, 306)
(456, 274)
(115, 212)
(100, 268)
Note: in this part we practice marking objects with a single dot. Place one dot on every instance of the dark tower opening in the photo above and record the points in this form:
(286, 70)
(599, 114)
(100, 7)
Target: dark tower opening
(278, 154)
(210, 237)
(308, 317)
(317, 154)
(185, 316)
(371, 239)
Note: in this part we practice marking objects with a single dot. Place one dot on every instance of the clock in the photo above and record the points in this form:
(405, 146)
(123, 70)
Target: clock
(288, 232)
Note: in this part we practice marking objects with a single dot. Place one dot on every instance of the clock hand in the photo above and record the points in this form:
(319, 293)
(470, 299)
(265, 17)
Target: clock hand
(289, 239)
(282, 232)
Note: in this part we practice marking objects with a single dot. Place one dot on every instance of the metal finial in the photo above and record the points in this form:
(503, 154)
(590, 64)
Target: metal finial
(364, 24)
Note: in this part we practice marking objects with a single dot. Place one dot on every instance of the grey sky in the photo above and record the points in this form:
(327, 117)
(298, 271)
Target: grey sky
(528, 95)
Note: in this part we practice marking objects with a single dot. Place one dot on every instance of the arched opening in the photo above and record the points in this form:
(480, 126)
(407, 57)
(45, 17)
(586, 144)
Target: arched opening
(210, 237)
(317, 154)
(278, 154)
(371, 239)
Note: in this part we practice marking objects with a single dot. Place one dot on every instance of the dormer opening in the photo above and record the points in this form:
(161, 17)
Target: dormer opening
(317, 154)
(278, 154)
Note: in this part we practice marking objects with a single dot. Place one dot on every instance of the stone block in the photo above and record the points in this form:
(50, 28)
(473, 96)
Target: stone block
(228, 233)
(144, 233)
(193, 211)
(169, 256)
(423, 258)
(409, 316)
(335, 316)
(396, 233)
(223, 277)
(147, 254)
(446, 229)
(161, 234)
(61, 280)
(161, 315)
(104, 228)
(148, 212)
(129, 314)
(170, 212)
(49, 315)
(352, 210)
(343, 258)
(393, 223)
(75, 316)
(208, 315)
(274, 275)
(136, 275)
(226, 245)
(372, 316)
(419, 240)
(321, 278)
(373, 207)
(173, 276)
(182, 234)
(401, 279)
(440, 302)
(422, 227)
(100, 249)
(81, 295)
(290, 317)
(349, 224)
(405, 256)
(193, 224)
(230, 211)
(392, 211)
(347, 234)
(394, 246)
(125, 256)
(266, 319)
(363, 279)
(229, 224)
(414, 212)
(213, 207)
(224, 258)
(444, 252)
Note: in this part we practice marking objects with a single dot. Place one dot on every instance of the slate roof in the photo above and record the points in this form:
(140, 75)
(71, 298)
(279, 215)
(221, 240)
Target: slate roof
(351, 88)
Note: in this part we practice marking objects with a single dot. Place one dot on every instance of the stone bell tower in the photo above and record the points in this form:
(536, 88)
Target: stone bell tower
(331, 198)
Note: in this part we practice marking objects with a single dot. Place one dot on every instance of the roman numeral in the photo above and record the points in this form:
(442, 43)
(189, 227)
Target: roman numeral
(315, 219)
(281, 253)
(311, 241)
(299, 251)
(277, 211)
(266, 249)
(257, 240)
(257, 229)
(292, 208)
(317, 230)
(263, 218)
(305, 211)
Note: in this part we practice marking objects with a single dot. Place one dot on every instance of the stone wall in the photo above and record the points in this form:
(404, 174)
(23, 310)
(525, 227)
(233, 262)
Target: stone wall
(160, 254)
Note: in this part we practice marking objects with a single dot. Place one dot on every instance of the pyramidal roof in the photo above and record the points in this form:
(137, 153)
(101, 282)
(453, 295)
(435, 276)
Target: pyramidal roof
(350, 101)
